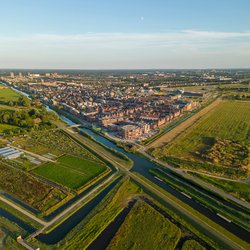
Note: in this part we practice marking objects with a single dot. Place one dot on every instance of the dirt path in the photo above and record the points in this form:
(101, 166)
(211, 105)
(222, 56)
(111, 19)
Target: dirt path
(30, 215)
(164, 139)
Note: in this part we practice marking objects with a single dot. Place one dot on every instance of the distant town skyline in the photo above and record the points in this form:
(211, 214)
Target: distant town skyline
(124, 34)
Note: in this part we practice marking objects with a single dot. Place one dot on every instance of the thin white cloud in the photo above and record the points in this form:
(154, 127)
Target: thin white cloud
(218, 35)
(126, 50)
(99, 37)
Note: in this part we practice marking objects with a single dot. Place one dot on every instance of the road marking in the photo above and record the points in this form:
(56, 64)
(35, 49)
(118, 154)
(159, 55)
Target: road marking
(158, 179)
(188, 196)
(224, 218)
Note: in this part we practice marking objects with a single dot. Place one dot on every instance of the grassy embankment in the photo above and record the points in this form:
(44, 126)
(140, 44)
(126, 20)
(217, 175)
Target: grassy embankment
(240, 190)
(192, 245)
(122, 158)
(103, 151)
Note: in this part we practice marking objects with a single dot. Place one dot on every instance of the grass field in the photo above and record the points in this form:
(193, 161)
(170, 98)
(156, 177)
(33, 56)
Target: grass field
(29, 189)
(71, 171)
(2, 237)
(227, 121)
(145, 228)
(7, 94)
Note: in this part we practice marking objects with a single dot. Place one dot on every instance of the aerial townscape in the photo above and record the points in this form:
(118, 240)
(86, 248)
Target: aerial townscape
(120, 131)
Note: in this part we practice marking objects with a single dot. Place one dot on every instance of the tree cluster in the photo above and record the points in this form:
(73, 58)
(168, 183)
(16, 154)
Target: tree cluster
(26, 120)
(21, 101)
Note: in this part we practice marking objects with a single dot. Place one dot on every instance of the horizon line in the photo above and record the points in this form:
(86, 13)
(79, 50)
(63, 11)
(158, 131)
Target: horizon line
(108, 69)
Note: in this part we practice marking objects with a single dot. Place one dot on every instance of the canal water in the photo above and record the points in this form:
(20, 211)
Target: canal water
(16, 220)
(66, 226)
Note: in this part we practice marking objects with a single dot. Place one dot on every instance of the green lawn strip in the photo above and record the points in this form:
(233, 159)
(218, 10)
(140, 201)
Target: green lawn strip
(192, 245)
(208, 231)
(61, 175)
(145, 228)
(214, 205)
(7, 94)
(20, 215)
(89, 229)
(238, 189)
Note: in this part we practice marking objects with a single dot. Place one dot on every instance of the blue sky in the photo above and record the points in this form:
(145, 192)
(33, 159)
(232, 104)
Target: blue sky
(103, 34)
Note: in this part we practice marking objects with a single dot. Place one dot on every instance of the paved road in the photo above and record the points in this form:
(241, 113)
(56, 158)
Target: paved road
(30, 215)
